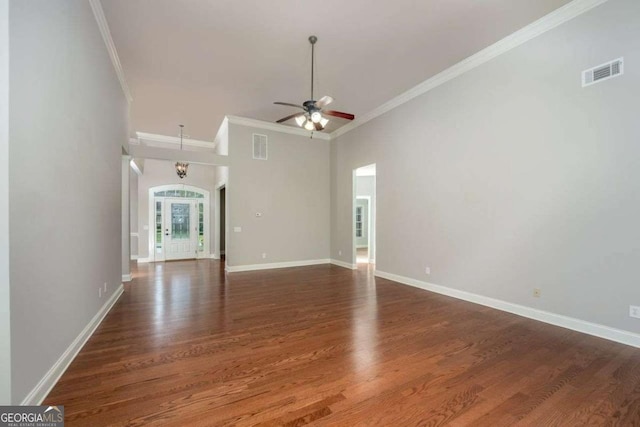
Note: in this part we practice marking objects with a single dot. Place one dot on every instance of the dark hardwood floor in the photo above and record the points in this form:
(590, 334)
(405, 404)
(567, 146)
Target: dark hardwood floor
(187, 346)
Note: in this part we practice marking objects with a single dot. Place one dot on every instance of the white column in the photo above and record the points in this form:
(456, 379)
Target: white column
(126, 234)
(5, 317)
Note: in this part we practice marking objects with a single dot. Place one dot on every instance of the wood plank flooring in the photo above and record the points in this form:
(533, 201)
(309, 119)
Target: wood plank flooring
(323, 345)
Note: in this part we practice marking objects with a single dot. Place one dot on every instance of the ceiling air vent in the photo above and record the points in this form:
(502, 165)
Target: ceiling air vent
(603, 72)
(259, 146)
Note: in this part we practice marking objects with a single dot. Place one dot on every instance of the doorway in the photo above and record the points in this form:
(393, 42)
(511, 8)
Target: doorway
(178, 222)
(364, 214)
(223, 227)
(363, 228)
(220, 239)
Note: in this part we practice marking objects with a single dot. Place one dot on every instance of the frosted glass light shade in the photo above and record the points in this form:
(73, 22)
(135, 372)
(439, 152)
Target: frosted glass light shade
(309, 125)
(316, 117)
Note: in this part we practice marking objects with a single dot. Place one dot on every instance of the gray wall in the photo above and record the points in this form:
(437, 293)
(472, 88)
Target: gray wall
(162, 172)
(5, 323)
(68, 119)
(513, 177)
(290, 189)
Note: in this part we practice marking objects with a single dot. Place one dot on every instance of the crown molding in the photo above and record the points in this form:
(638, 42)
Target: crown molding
(208, 158)
(98, 12)
(531, 31)
(276, 127)
(152, 137)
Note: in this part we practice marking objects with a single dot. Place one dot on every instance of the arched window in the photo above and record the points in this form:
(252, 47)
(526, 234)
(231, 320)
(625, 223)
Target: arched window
(179, 193)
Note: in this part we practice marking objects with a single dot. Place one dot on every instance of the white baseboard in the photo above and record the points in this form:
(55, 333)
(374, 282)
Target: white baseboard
(134, 257)
(144, 260)
(601, 331)
(361, 246)
(127, 277)
(238, 268)
(344, 264)
(44, 386)
(215, 256)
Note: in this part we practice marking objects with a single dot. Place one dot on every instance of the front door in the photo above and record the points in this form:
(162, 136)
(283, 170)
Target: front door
(180, 229)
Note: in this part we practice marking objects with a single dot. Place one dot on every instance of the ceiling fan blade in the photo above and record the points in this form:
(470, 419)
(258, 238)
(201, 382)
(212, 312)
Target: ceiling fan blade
(289, 104)
(284, 119)
(318, 126)
(324, 101)
(339, 114)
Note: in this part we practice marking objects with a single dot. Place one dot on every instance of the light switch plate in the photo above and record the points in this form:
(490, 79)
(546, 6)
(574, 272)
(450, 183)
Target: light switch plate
(237, 229)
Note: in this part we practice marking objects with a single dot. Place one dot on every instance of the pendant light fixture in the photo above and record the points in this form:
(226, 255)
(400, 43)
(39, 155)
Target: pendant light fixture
(181, 167)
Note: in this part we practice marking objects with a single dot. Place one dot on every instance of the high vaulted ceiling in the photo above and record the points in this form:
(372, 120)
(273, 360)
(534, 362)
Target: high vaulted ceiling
(195, 61)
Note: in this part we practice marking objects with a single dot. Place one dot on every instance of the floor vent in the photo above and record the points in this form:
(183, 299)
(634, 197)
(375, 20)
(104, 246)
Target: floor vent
(603, 72)
(259, 146)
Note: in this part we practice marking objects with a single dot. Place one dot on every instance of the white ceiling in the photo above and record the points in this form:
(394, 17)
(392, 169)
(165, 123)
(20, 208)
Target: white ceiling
(195, 61)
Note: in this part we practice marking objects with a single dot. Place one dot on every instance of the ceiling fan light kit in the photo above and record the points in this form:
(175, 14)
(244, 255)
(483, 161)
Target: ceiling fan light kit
(313, 116)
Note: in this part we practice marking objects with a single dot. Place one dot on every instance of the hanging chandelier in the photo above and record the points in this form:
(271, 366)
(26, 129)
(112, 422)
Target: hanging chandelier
(181, 167)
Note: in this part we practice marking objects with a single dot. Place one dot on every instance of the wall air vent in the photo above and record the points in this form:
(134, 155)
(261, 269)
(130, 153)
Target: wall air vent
(259, 146)
(603, 72)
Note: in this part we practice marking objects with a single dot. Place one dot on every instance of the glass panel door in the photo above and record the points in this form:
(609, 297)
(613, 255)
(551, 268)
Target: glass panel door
(180, 215)
(180, 229)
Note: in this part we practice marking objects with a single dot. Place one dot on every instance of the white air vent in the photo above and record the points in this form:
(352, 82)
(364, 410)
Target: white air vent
(259, 146)
(603, 72)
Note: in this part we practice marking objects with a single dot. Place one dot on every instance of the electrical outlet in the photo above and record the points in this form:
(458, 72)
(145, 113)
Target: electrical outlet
(537, 292)
(339, 252)
(264, 255)
(634, 311)
(427, 270)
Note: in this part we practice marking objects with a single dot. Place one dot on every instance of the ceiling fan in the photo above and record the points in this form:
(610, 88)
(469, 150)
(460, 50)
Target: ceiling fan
(313, 115)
